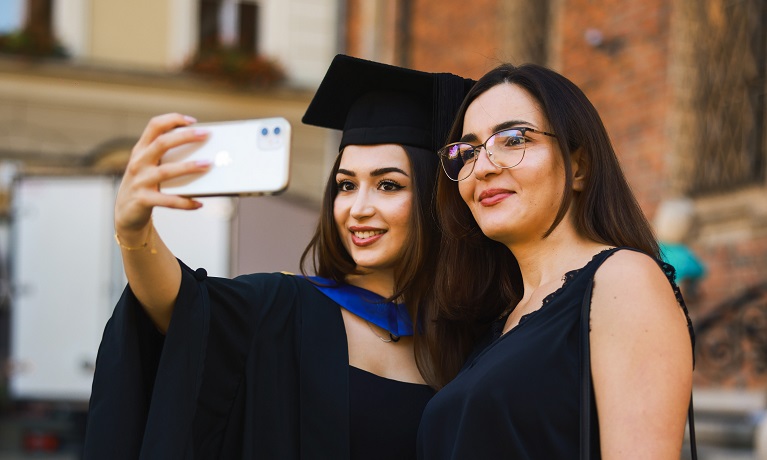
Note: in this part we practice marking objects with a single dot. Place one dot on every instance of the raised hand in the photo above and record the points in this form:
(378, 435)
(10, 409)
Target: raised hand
(139, 190)
(153, 272)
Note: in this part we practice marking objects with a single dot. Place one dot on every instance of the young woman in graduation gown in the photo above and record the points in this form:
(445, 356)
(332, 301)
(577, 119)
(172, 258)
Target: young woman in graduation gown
(534, 206)
(274, 365)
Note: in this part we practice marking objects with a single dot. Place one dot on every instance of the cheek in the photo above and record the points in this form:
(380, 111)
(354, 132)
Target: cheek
(466, 190)
(340, 211)
(400, 214)
(404, 211)
(556, 181)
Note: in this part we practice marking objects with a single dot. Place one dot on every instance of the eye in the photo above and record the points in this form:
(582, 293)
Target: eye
(345, 186)
(513, 141)
(468, 153)
(388, 185)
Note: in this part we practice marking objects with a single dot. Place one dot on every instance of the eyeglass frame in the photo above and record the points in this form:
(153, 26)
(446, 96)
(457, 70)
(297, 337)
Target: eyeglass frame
(476, 148)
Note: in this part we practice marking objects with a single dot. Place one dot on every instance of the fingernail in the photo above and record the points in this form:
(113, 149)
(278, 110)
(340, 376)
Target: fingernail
(190, 119)
(199, 132)
(203, 163)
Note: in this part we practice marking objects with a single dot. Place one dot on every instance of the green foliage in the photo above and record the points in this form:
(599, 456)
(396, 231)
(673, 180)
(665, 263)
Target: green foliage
(21, 43)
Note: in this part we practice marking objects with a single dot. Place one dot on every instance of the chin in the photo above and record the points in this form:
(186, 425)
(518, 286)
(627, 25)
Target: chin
(503, 237)
(373, 264)
(497, 231)
(366, 263)
(370, 265)
(499, 237)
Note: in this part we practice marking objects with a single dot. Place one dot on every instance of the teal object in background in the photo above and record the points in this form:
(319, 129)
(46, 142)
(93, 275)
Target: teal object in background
(684, 261)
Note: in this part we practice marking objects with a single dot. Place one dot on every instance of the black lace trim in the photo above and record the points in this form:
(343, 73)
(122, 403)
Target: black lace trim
(499, 323)
(668, 270)
(670, 273)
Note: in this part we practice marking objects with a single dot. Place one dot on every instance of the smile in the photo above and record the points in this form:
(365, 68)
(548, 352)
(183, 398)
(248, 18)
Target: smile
(367, 234)
(493, 196)
(363, 238)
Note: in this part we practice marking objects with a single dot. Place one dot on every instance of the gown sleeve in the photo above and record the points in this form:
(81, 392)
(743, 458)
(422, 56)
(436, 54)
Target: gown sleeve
(126, 366)
(188, 394)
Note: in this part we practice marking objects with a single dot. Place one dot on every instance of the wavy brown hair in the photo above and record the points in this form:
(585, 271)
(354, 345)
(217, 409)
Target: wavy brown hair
(479, 278)
(416, 268)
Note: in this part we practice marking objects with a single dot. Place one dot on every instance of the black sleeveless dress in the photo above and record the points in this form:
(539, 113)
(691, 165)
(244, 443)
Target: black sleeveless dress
(518, 397)
(384, 416)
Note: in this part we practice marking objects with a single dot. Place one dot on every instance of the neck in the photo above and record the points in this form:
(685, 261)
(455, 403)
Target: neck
(545, 260)
(379, 281)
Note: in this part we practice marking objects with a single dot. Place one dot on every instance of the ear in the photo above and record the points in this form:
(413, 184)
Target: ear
(580, 169)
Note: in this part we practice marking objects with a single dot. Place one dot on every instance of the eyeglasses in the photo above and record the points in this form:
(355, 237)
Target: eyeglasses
(505, 149)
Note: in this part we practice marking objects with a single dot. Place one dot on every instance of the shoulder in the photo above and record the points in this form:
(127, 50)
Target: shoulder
(622, 264)
(632, 290)
(259, 287)
(625, 268)
(265, 283)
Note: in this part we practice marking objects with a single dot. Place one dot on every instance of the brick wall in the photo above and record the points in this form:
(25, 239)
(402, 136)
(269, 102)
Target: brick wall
(446, 36)
(449, 35)
(625, 76)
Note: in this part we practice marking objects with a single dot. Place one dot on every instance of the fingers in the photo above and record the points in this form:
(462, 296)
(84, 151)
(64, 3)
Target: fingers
(175, 201)
(160, 135)
(139, 190)
(134, 204)
(144, 182)
(151, 176)
(161, 124)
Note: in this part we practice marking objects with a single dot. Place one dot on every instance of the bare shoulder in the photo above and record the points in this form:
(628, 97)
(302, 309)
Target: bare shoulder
(628, 265)
(632, 286)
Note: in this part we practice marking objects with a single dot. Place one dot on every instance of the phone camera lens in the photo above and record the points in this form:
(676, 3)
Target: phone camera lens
(277, 131)
(264, 131)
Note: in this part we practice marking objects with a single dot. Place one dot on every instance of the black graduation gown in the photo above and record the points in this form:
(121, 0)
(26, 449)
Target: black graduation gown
(254, 367)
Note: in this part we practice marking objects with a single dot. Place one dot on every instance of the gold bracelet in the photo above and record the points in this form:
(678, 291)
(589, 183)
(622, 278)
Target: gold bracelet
(152, 249)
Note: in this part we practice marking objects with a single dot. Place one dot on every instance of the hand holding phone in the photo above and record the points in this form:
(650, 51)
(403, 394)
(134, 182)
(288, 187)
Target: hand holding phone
(247, 157)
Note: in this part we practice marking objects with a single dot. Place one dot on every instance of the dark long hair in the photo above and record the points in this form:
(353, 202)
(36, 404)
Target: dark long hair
(415, 270)
(479, 278)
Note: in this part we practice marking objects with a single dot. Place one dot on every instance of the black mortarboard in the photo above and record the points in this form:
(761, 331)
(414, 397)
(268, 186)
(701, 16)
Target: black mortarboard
(375, 103)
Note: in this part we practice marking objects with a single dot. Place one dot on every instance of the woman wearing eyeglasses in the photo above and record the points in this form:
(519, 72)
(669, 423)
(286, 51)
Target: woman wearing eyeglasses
(534, 206)
(276, 366)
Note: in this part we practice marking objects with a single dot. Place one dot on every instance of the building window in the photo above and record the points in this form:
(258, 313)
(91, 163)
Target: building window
(728, 97)
(11, 15)
(228, 47)
(231, 24)
(27, 28)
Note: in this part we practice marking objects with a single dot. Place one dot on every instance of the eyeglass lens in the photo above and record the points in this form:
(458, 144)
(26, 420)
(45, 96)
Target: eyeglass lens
(505, 149)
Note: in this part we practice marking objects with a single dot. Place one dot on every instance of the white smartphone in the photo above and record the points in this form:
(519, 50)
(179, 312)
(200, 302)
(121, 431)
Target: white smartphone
(249, 157)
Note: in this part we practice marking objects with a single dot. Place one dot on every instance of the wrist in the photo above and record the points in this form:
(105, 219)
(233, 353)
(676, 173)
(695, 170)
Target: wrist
(140, 241)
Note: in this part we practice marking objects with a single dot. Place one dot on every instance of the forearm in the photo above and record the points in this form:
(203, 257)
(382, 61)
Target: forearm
(153, 273)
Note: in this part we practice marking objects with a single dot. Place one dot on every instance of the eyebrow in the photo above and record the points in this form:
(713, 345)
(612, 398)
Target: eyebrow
(375, 172)
(499, 127)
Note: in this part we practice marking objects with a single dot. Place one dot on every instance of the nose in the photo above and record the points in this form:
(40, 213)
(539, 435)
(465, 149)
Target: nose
(483, 166)
(362, 206)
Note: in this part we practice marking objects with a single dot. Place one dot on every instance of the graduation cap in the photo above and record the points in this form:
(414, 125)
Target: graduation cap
(375, 103)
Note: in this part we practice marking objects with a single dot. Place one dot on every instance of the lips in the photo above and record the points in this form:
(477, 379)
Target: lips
(491, 197)
(365, 236)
